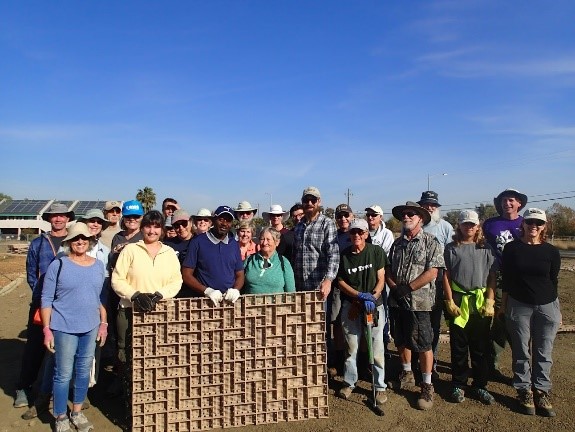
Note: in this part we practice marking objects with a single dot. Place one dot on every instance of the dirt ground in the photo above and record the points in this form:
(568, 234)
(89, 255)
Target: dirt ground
(352, 415)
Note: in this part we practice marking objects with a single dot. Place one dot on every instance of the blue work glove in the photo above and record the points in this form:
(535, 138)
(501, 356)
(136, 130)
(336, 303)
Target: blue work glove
(368, 301)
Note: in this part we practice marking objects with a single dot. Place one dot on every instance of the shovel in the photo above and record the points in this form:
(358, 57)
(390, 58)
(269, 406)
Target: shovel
(369, 323)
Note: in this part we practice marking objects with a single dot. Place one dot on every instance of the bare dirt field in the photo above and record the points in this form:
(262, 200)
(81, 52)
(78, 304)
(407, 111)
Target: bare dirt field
(353, 415)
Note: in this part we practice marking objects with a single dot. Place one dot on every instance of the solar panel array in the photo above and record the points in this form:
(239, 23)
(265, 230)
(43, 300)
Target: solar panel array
(23, 207)
(83, 206)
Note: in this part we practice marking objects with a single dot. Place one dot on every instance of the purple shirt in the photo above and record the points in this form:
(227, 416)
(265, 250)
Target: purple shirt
(499, 231)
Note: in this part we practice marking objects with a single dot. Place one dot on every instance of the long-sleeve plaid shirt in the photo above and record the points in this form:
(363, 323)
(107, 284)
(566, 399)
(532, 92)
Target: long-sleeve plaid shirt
(316, 253)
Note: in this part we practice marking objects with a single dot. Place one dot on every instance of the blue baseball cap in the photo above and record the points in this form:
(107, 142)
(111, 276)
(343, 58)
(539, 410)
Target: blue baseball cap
(224, 209)
(132, 208)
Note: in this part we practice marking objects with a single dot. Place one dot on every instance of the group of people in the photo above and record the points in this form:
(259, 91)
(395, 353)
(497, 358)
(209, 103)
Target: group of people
(86, 279)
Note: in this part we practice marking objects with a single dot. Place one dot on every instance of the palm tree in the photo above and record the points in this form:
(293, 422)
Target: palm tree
(147, 197)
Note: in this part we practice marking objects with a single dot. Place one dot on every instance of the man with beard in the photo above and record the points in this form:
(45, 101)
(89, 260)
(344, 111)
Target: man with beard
(316, 252)
(41, 253)
(415, 258)
(443, 232)
(499, 231)
(213, 266)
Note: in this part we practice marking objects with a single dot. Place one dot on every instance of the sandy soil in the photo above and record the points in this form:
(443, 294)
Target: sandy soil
(353, 415)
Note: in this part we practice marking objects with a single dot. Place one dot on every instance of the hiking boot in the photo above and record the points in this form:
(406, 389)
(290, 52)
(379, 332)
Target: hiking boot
(380, 397)
(425, 400)
(543, 404)
(21, 399)
(406, 379)
(41, 405)
(62, 425)
(527, 406)
(484, 396)
(345, 392)
(457, 395)
(80, 422)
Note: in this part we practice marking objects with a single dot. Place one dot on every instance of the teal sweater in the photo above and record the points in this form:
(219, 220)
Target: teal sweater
(271, 280)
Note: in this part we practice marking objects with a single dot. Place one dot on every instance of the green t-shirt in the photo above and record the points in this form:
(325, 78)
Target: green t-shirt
(360, 270)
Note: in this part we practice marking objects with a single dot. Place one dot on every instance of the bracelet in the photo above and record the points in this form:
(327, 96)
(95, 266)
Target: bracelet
(105, 323)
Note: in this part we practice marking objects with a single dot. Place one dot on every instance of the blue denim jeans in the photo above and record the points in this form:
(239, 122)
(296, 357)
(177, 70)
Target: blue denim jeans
(353, 331)
(74, 355)
(532, 330)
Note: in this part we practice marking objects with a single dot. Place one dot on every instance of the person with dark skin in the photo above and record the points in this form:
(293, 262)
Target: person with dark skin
(213, 266)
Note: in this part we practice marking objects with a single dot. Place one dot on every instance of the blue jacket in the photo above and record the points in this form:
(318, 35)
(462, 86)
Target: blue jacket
(40, 254)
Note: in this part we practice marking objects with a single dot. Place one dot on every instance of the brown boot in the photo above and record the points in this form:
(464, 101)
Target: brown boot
(543, 404)
(41, 405)
(425, 400)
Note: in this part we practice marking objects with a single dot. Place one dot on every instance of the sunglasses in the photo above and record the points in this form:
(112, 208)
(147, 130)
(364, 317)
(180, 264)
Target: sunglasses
(371, 215)
(114, 210)
(202, 219)
(342, 215)
(80, 237)
(534, 222)
(95, 220)
(180, 224)
(132, 218)
(309, 198)
(409, 214)
(356, 231)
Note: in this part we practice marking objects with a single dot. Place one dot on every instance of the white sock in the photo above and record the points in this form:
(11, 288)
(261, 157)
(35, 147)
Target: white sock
(406, 367)
(426, 378)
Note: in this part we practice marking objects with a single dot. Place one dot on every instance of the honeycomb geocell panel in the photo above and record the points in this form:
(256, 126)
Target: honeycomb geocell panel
(198, 367)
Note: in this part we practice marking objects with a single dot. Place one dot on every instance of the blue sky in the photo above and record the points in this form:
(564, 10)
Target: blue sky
(222, 101)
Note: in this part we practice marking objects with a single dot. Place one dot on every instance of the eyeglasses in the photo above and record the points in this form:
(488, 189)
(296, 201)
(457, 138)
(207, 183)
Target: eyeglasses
(371, 215)
(342, 215)
(409, 214)
(95, 220)
(356, 231)
(180, 224)
(201, 220)
(297, 215)
(309, 198)
(537, 222)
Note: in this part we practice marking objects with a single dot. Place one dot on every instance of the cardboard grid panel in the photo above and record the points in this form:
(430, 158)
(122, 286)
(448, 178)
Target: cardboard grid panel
(198, 367)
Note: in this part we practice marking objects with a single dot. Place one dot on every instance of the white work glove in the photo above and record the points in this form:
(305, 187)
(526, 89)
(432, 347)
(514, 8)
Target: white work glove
(214, 295)
(232, 295)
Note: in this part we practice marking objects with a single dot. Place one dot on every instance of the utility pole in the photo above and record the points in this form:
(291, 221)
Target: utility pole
(348, 194)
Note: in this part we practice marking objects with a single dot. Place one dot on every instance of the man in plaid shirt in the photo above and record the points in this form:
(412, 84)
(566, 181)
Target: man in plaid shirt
(316, 251)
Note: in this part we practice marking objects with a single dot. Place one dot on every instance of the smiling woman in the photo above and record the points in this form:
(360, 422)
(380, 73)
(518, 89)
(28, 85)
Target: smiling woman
(74, 318)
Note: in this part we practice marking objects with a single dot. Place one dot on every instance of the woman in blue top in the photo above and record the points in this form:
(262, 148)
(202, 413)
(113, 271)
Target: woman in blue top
(267, 272)
(73, 319)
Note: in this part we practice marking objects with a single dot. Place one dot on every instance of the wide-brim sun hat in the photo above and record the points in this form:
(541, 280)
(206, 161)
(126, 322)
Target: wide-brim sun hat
(410, 205)
(95, 214)
(429, 197)
(245, 206)
(275, 209)
(509, 192)
(58, 208)
(78, 229)
(203, 213)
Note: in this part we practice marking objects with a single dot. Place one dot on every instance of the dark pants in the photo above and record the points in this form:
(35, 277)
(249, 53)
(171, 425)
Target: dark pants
(498, 335)
(436, 314)
(34, 350)
(473, 339)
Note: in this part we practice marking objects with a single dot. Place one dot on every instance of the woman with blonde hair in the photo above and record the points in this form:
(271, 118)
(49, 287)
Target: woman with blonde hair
(468, 285)
(530, 268)
(245, 233)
